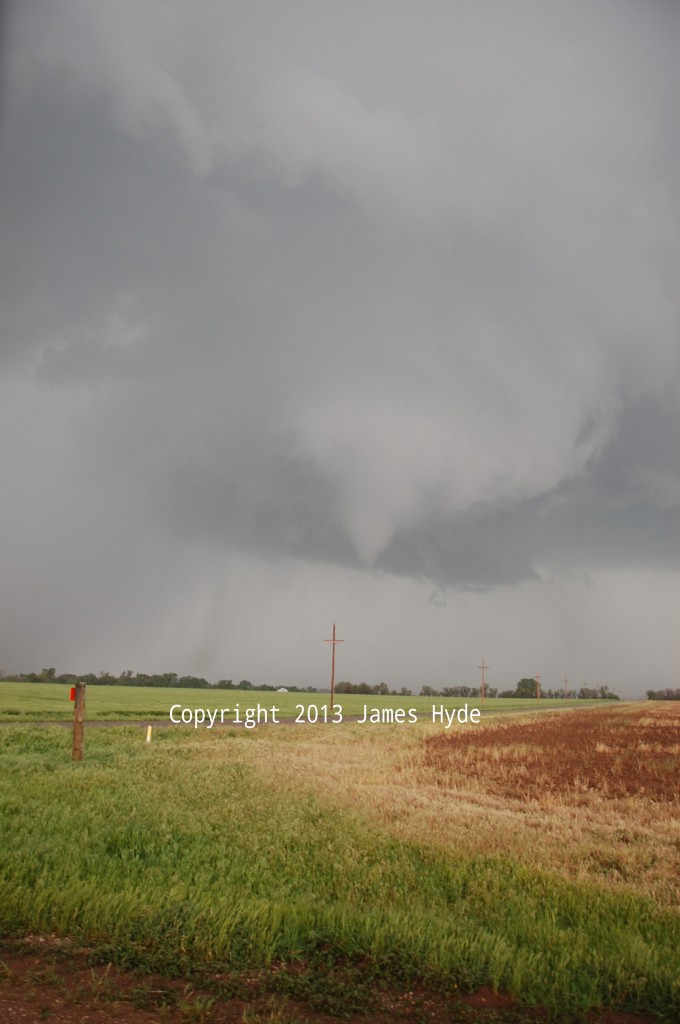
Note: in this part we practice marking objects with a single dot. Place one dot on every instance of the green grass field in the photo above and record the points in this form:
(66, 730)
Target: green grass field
(26, 701)
(216, 852)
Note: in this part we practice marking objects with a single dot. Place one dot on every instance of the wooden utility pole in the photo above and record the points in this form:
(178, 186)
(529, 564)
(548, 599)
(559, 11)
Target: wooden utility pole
(483, 668)
(78, 721)
(538, 686)
(333, 641)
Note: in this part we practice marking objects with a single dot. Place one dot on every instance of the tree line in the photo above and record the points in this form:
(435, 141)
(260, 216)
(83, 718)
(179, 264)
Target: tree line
(526, 687)
(663, 694)
(130, 678)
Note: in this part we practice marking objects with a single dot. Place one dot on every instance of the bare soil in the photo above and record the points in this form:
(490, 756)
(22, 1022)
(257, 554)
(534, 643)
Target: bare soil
(47, 978)
(618, 752)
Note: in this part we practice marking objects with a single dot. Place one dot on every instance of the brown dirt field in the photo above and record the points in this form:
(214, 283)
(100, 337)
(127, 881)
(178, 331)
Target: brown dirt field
(45, 978)
(618, 753)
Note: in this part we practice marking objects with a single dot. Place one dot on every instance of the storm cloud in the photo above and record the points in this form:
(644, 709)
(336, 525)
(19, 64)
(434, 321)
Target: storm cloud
(301, 294)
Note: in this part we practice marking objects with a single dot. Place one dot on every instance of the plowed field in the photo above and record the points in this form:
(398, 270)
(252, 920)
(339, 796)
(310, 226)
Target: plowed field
(617, 752)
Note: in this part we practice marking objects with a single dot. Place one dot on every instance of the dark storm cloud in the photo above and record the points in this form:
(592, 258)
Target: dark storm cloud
(381, 285)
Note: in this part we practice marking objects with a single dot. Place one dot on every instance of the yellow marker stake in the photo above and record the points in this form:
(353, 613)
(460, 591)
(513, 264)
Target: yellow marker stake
(148, 734)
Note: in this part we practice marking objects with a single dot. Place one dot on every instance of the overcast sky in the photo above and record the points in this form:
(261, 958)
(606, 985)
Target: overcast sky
(333, 311)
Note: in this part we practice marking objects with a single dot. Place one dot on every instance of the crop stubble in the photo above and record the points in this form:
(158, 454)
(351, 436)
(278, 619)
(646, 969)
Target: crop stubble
(618, 753)
(590, 794)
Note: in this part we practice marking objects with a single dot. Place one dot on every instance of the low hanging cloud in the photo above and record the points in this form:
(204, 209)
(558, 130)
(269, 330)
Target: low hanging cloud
(382, 287)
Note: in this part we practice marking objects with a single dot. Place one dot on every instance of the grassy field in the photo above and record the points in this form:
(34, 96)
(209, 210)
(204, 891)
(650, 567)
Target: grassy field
(26, 701)
(338, 866)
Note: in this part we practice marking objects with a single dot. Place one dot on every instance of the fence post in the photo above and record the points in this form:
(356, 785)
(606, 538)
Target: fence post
(79, 722)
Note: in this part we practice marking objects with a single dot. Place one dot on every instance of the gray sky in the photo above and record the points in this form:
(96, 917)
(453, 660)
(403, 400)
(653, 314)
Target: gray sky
(335, 311)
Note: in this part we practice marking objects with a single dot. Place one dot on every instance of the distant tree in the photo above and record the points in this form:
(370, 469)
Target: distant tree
(192, 682)
(67, 678)
(245, 684)
(526, 688)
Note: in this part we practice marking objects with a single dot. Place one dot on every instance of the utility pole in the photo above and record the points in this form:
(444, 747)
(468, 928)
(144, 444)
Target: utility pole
(565, 684)
(538, 686)
(78, 721)
(483, 668)
(333, 642)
